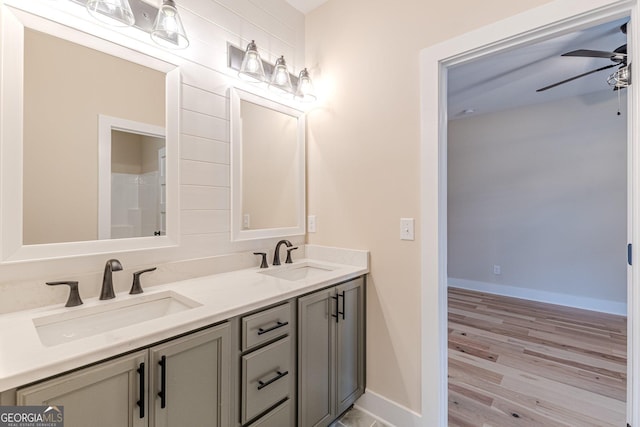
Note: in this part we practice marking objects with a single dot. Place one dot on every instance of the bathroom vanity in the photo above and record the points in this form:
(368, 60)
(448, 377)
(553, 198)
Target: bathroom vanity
(225, 172)
(282, 346)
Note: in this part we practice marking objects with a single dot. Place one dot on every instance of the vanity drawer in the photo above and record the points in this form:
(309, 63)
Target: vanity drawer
(265, 326)
(277, 417)
(266, 378)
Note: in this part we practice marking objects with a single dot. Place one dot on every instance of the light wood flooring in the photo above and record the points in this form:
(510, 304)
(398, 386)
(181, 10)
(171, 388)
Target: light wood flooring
(514, 362)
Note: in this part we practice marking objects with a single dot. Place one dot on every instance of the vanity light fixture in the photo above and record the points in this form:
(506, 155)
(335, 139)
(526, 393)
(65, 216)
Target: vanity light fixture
(164, 24)
(280, 80)
(305, 91)
(252, 68)
(168, 30)
(113, 12)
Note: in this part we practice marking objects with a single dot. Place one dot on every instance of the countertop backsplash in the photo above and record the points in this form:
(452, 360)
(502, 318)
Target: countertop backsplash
(17, 296)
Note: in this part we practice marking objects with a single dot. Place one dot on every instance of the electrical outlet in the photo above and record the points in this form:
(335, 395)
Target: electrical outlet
(246, 221)
(497, 270)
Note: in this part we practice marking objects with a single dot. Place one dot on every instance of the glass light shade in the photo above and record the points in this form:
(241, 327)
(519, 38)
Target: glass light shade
(252, 68)
(280, 80)
(167, 29)
(305, 91)
(113, 12)
(621, 78)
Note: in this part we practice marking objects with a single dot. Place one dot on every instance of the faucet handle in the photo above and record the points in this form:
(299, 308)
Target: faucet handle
(289, 250)
(263, 263)
(74, 294)
(136, 287)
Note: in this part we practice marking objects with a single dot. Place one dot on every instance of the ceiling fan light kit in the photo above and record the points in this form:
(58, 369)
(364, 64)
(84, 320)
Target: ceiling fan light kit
(620, 79)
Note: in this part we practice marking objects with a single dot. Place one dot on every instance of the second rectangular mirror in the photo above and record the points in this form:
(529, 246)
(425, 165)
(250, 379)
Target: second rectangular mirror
(268, 168)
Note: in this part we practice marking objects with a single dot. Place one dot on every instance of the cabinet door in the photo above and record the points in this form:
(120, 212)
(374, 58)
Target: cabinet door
(192, 388)
(315, 356)
(350, 344)
(104, 395)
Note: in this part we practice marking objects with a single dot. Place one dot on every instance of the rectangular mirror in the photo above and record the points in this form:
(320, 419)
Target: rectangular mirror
(268, 168)
(90, 136)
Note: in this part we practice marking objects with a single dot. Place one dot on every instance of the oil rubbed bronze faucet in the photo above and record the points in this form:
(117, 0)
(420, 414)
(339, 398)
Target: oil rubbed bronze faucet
(107, 281)
(74, 296)
(276, 255)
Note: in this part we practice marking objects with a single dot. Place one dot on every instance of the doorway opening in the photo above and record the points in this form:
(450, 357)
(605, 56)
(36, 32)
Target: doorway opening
(548, 22)
(537, 207)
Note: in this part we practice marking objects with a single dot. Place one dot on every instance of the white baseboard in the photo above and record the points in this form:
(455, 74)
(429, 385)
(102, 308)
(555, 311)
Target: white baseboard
(604, 306)
(387, 411)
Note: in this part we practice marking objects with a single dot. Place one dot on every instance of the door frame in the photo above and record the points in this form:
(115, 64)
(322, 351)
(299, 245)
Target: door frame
(549, 20)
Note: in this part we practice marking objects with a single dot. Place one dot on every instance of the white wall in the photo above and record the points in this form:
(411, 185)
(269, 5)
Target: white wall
(541, 191)
(278, 29)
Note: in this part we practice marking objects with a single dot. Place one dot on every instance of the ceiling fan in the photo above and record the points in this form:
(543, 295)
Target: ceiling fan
(621, 78)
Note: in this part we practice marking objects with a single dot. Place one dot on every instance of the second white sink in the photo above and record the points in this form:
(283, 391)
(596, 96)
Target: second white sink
(298, 271)
(83, 322)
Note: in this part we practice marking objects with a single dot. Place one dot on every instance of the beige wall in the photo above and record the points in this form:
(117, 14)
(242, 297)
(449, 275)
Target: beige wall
(363, 153)
(134, 153)
(61, 108)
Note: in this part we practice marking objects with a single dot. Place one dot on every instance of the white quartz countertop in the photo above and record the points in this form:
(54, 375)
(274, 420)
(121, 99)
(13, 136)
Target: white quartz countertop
(25, 359)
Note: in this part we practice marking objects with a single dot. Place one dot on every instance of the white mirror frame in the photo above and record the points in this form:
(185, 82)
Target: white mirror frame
(237, 233)
(12, 24)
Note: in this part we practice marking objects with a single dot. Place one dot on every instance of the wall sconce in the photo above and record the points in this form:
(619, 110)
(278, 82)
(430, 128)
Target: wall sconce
(305, 91)
(167, 29)
(164, 24)
(112, 12)
(252, 68)
(280, 79)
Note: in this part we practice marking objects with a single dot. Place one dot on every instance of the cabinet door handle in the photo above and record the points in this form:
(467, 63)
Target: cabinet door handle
(337, 311)
(263, 384)
(140, 402)
(163, 382)
(278, 324)
(341, 294)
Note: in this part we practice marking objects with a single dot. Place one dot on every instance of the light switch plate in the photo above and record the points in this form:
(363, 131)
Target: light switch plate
(311, 224)
(407, 229)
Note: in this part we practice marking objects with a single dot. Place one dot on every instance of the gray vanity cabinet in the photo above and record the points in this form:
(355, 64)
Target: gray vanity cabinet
(190, 382)
(103, 395)
(330, 352)
(266, 367)
(195, 385)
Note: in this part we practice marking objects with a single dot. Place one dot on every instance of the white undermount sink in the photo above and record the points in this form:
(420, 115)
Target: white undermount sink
(107, 316)
(300, 271)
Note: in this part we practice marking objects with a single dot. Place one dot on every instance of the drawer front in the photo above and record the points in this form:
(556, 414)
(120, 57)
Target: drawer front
(265, 326)
(266, 378)
(278, 417)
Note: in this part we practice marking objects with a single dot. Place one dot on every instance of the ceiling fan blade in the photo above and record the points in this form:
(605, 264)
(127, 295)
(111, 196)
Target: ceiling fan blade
(587, 53)
(577, 77)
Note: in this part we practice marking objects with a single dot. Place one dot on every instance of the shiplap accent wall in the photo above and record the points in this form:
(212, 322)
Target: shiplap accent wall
(278, 29)
(205, 193)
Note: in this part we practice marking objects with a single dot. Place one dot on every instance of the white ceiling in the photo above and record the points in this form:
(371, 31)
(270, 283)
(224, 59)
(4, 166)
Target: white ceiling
(509, 79)
(306, 6)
